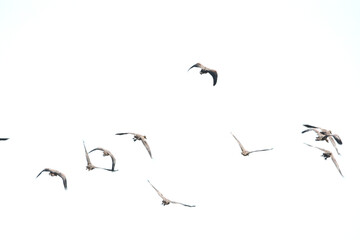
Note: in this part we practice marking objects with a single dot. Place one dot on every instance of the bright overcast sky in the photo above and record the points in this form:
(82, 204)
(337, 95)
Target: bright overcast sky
(74, 71)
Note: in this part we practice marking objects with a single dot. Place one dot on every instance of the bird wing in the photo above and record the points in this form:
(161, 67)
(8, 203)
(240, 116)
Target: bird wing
(241, 146)
(336, 164)
(158, 192)
(3, 139)
(146, 145)
(324, 150)
(64, 179)
(214, 74)
(337, 138)
(125, 133)
(311, 129)
(261, 150)
(186, 205)
(113, 160)
(87, 155)
(309, 126)
(197, 65)
(45, 170)
(334, 144)
(98, 148)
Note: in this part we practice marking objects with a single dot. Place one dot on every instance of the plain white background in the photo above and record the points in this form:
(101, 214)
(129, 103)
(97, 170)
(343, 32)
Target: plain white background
(73, 71)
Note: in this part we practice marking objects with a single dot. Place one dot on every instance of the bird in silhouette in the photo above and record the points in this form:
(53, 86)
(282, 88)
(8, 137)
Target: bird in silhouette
(327, 154)
(140, 137)
(106, 153)
(324, 135)
(244, 152)
(53, 173)
(166, 201)
(204, 70)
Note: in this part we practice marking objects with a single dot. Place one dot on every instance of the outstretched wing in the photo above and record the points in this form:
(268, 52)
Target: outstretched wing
(199, 65)
(146, 146)
(324, 150)
(87, 155)
(98, 148)
(158, 192)
(214, 74)
(241, 146)
(337, 138)
(125, 133)
(45, 170)
(261, 150)
(113, 160)
(334, 144)
(309, 126)
(64, 179)
(3, 139)
(186, 205)
(311, 129)
(336, 164)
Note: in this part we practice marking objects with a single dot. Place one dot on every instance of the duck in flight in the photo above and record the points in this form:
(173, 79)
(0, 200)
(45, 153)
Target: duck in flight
(90, 166)
(324, 135)
(107, 153)
(140, 137)
(327, 154)
(204, 70)
(245, 152)
(166, 201)
(53, 173)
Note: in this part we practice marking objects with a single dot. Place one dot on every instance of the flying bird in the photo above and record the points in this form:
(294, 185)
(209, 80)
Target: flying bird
(244, 152)
(204, 70)
(327, 154)
(3, 139)
(53, 173)
(139, 137)
(106, 153)
(324, 135)
(166, 201)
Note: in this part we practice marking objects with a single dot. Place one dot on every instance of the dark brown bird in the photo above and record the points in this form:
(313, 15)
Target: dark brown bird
(3, 139)
(139, 137)
(324, 135)
(244, 152)
(327, 154)
(204, 70)
(166, 201)
(53, 173)
(106, 153)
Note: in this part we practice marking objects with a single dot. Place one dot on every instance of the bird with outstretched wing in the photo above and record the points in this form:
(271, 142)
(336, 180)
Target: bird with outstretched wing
(204, 70)
(166, 201)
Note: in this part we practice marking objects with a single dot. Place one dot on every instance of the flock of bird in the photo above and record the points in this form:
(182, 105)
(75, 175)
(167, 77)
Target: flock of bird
(322, 135)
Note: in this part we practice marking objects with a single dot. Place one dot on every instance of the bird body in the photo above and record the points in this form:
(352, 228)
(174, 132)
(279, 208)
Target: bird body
(245, 152)
(166, 201)
(324, 135)
(204, 70)
(327, 154)
(53, 173)
(140, 137)
(106, 153)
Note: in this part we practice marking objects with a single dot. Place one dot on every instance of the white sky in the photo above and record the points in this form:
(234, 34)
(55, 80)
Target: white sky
(85, 70)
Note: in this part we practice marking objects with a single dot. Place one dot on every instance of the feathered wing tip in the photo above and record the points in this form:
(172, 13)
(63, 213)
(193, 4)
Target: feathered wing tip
(196, 65)
(309, 126)
(214, 74)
